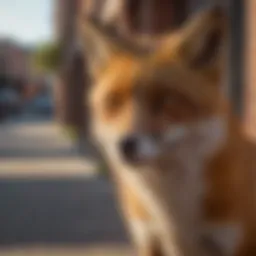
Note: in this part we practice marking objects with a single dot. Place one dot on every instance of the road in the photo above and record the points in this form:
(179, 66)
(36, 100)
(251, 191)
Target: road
(49, 196)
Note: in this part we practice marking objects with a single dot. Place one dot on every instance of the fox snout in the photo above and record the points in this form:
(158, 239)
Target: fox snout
(145, 148)
(136, 149)
(128, 148)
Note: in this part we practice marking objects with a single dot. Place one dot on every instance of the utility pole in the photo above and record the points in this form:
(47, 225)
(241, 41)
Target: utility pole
(237, 54)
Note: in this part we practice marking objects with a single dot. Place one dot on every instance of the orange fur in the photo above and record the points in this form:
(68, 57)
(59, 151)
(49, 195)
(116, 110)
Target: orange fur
(177, 84)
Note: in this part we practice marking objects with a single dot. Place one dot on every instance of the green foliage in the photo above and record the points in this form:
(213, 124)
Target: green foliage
(47, 58)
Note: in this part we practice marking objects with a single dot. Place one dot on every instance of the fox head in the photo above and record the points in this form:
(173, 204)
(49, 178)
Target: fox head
(147, 104)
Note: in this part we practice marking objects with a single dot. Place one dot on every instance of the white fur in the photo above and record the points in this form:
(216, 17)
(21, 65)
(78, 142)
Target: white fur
(213, 133)
(176, 133)
(146, 186)
(147, 147)
(199, 139)
(141, 230)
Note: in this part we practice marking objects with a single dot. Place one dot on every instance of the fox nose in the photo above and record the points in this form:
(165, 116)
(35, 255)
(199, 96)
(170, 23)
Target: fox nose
(128, 148)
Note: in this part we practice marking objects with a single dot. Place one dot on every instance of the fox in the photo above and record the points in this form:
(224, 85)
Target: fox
(181, 163)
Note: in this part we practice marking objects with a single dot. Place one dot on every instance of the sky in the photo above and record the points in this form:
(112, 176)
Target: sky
(27, 21)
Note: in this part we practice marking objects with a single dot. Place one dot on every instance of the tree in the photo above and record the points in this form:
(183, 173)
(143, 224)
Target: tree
(47, 58)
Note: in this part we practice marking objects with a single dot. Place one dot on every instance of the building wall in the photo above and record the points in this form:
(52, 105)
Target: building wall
(133, 16)
(15, 65)
(70, 81)
(250, 69)
(15, 60)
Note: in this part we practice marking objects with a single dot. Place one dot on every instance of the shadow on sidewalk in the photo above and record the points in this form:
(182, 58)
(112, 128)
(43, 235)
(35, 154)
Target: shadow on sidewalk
(59, 211)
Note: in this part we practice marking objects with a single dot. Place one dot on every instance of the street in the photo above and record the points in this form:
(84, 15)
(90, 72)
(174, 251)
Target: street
(51, 198)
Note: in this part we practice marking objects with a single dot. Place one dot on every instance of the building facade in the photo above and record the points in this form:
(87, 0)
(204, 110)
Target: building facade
(15, 68)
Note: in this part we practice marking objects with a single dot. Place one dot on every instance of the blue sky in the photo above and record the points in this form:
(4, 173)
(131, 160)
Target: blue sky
(28, 21)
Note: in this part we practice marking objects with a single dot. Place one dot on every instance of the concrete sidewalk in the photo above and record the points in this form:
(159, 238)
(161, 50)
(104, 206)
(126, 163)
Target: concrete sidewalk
(40, 148)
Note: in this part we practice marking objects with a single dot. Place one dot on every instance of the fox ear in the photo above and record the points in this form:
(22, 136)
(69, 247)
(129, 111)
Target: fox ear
(99, 45)
(203, 37)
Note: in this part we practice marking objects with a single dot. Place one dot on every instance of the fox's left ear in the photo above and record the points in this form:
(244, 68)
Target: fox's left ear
(99, 45)
(203, 38)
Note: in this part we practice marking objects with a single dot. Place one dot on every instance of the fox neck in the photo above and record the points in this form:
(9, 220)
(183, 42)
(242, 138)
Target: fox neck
(228, 174)
(224, 172)
(172, 195)
(159, 197)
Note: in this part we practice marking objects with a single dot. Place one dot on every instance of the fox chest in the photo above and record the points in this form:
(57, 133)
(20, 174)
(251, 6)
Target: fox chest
(219, 238)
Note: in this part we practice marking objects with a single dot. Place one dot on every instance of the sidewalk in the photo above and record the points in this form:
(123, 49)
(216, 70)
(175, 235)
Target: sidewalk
(53, 203)
(40, 148)
(103, 251)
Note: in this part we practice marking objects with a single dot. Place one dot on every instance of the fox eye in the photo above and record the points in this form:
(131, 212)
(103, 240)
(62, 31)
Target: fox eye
(159, 102)
(113, 102)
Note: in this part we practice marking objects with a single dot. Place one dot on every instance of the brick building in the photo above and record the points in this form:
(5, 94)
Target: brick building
(14, 65)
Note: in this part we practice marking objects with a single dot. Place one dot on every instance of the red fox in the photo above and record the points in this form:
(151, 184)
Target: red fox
(179, 158)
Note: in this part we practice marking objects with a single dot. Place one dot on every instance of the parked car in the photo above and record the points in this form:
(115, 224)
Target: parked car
(42, 104)
(9, 102)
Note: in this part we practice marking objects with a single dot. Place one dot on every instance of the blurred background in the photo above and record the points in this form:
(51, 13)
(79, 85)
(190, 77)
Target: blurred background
(55, 195)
